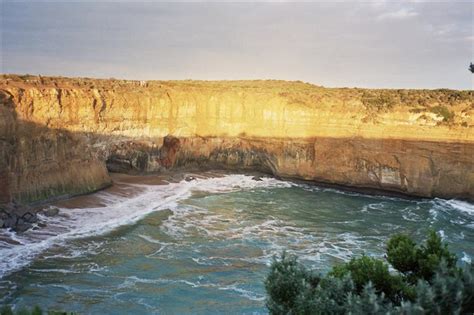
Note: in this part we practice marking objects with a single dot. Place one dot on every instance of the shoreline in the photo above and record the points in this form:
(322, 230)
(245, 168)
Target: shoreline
(122, 184)
(133, 197)
(121, 180)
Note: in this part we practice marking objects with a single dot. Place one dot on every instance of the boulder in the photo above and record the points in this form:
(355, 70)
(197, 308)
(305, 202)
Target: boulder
(10, 222)
(3, 214)
(51, 212)
(189, 178)
(22, 226)
(30, 217)
(17, 217)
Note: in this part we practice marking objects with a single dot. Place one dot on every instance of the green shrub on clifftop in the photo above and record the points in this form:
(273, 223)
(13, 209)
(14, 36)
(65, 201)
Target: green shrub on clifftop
(367, 269)
(378, 100)
(444, 112)
(418, 262)
(425, 281)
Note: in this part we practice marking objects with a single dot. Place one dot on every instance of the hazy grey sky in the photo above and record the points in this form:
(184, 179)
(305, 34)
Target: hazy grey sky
(407, 44)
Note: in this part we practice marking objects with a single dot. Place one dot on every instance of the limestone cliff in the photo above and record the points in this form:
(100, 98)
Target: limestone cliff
(57, 135)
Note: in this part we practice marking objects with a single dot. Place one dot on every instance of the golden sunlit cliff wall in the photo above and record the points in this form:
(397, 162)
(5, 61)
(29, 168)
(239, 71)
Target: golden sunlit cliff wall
(57, 135)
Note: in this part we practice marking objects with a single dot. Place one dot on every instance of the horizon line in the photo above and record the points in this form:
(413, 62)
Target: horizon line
(99, 78)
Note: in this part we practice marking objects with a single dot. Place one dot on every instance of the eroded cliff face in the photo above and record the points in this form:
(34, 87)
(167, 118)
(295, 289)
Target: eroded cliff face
(38, 163)
(58, 135)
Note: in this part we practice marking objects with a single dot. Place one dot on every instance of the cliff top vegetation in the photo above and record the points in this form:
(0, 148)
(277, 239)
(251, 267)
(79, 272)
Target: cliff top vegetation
(435, 107)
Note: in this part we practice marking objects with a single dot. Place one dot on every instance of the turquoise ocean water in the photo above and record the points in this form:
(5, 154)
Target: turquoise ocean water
(204, 246)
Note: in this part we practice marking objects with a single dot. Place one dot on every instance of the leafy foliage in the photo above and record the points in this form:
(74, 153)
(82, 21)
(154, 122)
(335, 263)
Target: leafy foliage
(418, 262)
(367, 269)
(287, 280)
(444, 112)
(448, 293)
(378, 100)
(426, 281)
(471, 67)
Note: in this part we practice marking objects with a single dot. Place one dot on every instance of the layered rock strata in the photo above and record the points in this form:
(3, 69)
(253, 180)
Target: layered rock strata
(61, 136)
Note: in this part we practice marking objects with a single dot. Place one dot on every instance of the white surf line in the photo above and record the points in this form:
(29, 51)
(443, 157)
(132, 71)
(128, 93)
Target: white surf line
(119, 211)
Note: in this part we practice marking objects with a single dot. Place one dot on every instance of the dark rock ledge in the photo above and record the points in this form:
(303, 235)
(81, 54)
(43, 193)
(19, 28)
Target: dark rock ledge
(17, 217)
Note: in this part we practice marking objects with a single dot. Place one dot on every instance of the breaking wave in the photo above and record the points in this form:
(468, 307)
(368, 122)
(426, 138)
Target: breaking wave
(18, 250)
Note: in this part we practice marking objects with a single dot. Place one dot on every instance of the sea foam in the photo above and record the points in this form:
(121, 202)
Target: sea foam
(19, 250)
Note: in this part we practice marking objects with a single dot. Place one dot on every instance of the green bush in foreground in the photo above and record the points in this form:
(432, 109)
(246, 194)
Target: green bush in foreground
(425, 281)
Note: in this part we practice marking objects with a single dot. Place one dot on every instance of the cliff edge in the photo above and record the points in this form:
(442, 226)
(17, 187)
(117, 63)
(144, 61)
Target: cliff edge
(61, 136)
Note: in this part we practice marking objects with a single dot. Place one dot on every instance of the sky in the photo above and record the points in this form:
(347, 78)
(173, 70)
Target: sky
(378, 44)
